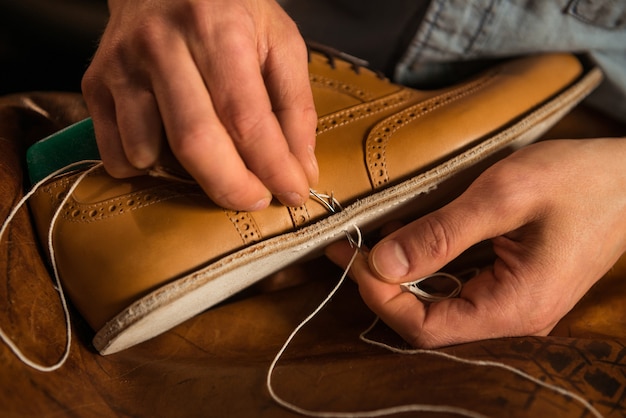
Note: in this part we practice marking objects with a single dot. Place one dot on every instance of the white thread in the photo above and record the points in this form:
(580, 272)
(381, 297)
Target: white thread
(413, 287)
(372, 413)
(407, 407)
(484, 363)
(57, 281)
(328, 201)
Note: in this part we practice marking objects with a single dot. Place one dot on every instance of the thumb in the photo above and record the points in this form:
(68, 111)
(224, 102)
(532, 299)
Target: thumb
(429, 243)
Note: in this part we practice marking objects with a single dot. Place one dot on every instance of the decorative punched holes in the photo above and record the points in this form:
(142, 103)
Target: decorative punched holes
(380, 137)
(75, 211)
(245, 225)
(299, 215)
(349, 89)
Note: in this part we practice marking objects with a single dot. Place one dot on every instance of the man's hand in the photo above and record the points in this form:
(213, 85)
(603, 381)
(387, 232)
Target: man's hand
(556, 215)
(225, 81)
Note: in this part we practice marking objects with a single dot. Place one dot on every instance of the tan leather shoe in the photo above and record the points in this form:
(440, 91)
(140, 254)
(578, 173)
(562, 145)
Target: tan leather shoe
(140, 255)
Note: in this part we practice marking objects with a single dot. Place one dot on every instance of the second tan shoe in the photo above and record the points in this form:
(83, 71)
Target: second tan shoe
(139, 256)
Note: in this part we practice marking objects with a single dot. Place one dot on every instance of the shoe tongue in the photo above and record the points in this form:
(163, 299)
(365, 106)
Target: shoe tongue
(72, 144)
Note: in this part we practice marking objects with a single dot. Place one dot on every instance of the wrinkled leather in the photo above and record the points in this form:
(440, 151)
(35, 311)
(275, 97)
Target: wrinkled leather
(214, 365)
(118, 240)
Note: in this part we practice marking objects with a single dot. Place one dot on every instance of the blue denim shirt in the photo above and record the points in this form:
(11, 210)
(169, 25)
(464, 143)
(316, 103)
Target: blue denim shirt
(461, 30)
(444, 33)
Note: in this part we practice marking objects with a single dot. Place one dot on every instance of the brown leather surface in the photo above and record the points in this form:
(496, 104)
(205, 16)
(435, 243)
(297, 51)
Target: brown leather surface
(214, 365)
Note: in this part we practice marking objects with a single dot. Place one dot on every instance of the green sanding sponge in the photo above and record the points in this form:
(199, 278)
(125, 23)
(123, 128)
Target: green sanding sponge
(75, 143)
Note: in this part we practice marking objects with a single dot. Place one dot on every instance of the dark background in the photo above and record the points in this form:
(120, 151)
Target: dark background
(47, 44)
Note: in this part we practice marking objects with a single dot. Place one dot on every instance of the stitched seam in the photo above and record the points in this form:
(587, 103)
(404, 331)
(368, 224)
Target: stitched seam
(358, 112)
(346, 88)
(78, 212)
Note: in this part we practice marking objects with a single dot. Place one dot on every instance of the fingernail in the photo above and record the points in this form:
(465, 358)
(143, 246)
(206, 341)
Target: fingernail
(389, 260)
(142, 160)
(261, 204)
(314, 164)
(291, 199)
(143, 157)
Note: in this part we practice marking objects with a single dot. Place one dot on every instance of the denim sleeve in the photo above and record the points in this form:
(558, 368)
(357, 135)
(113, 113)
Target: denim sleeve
(465, 30)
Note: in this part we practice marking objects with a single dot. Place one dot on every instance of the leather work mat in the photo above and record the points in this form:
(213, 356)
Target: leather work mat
(215, 364)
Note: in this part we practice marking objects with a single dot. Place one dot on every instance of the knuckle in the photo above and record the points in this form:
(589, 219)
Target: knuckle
(295, 101)
(290, 42)
(96, 77)
(90, 85)
(438, 237)
(245, 126)
(135, 47)
(309, 116)
(290, 29)
(228, 28)
(187, 145)
(508, 186)
(149, 38)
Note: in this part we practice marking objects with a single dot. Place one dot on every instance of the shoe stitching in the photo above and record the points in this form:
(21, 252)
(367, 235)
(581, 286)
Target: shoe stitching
(50, 190)
(343, 117)
(345, 88)
(75, 211)
(379, 138)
